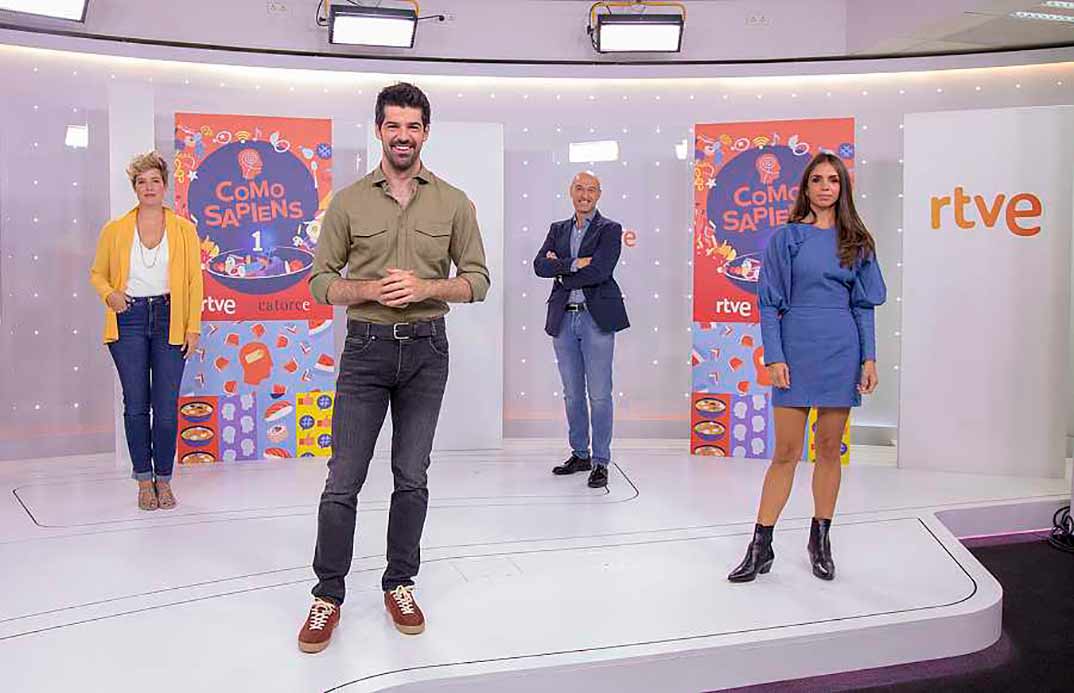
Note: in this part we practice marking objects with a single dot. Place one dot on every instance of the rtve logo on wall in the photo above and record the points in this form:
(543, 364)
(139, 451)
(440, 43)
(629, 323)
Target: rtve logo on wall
(1022, 212)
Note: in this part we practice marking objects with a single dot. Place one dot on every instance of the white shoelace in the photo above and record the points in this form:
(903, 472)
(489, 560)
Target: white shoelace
(320, 613)
(404, 599)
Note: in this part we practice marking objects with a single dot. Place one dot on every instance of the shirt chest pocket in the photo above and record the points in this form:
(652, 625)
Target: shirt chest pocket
(369, 248)
(432, 240)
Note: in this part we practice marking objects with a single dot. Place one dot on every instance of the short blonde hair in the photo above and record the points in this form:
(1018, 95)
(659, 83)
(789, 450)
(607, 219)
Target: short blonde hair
(150, 161)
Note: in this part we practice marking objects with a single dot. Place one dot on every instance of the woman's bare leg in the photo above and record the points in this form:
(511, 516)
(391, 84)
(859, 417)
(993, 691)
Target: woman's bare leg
(827, 473)
(790, 430)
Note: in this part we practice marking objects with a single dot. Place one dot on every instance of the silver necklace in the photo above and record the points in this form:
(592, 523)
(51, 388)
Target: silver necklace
(142, 249)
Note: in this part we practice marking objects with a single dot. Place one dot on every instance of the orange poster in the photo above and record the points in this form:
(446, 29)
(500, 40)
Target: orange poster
(256, 186)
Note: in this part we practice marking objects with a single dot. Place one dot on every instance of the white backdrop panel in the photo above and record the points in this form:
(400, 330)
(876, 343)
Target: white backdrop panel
(986, 304)
(470, 157)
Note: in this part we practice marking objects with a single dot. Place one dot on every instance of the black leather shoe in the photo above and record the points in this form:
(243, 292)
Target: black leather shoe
(574, 464)
(759, 556)
(820, 549)
(598, 478)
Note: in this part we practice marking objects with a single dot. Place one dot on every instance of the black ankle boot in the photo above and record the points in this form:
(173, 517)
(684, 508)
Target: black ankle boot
(759, 556)
(820, 549)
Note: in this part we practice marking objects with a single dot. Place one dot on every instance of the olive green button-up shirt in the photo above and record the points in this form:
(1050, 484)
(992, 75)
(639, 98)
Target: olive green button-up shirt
(367, 231)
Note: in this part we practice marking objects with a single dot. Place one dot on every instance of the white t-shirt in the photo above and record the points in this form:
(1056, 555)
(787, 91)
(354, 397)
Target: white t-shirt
(149, 268)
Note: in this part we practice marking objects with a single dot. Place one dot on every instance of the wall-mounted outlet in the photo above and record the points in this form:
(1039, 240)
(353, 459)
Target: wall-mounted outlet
(757, 20)
(276, 8)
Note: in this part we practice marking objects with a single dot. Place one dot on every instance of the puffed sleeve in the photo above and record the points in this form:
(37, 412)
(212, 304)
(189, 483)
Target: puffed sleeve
(774, 293)
(867, 292)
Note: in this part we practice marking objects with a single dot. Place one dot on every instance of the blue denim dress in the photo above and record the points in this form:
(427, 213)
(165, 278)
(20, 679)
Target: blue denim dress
(817, 316)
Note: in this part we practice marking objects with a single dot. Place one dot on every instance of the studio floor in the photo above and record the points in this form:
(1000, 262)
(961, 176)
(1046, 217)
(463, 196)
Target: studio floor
(529, 582)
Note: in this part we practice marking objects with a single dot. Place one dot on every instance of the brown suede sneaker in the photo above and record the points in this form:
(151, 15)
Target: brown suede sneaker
(316, 632)
(404, 610)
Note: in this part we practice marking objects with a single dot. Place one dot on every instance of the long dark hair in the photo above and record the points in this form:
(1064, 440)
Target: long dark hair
(855, 241)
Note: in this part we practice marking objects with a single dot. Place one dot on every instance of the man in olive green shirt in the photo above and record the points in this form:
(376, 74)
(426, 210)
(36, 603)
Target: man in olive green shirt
(396, 231)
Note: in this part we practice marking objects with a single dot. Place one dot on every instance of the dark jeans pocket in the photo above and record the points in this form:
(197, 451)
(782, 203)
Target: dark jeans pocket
(439, 345)
(357, 362)
(355, 345)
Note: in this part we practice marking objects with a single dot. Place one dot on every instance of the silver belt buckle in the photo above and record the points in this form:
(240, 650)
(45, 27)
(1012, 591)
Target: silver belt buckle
(395, 330)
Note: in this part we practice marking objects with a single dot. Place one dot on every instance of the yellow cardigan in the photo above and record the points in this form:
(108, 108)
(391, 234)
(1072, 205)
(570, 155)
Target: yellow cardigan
(111, 267)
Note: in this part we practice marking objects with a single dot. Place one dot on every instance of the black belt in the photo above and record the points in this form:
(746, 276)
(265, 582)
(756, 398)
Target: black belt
(575, 307)
(150, 299)
(400, 330)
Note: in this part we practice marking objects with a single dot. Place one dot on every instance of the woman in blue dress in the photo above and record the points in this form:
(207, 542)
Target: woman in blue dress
(819, 284)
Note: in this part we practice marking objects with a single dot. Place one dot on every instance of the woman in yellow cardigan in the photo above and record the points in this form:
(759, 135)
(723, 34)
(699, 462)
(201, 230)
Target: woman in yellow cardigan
(148, 273)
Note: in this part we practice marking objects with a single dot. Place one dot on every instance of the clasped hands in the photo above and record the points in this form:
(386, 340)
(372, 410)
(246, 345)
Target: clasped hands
(402, 287)
(582, 261)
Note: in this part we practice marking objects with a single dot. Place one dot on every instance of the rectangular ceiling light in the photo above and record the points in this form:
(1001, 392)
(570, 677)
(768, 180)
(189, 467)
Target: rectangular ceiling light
(586, 152)
(60, 9)
(372, 26)
(639, 33)
(1044, 17)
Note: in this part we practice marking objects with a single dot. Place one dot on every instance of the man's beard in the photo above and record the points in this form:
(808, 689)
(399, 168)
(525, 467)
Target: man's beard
(402, 161)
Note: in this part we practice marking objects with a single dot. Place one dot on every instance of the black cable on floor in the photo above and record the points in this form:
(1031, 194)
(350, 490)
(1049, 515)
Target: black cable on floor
(1062, 536)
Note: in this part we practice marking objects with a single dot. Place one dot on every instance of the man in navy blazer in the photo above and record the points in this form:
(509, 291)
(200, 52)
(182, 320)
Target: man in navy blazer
(585, 310)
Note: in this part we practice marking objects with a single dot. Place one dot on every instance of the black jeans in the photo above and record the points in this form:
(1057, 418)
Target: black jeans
(376, 371)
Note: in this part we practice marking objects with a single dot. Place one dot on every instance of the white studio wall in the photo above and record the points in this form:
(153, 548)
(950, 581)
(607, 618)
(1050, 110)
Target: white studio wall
(986, 290)
(470, 157)
(48, 369)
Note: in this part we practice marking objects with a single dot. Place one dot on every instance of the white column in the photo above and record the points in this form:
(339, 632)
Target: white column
(130, 132)
(470, 157)
(987, 219)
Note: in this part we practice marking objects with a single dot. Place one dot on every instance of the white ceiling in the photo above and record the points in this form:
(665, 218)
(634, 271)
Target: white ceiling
(527, 30)
(909, 26)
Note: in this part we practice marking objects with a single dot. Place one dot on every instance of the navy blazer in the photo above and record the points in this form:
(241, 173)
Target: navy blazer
(604, 301)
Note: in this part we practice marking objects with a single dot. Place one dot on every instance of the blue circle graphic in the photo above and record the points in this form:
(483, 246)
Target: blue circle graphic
(252, 202)
(744, 206)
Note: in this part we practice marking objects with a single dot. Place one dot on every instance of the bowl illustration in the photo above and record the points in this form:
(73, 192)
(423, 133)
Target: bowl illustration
(710, 406)
(709, 430)
(265, 272)
(197, 458)
(744, 270)
(196, 412)
(197, 436)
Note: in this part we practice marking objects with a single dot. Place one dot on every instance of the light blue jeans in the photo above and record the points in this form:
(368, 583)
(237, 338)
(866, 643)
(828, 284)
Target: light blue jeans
(585, 354)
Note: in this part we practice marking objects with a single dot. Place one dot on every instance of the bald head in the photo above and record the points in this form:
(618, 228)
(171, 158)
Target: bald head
(586, 178)
(585, 191)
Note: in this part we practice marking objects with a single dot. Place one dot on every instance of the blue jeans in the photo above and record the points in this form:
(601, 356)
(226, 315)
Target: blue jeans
(585, 354)
(150, 371)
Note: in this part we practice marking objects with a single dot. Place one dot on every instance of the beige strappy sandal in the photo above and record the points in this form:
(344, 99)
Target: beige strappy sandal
(165, 497)
(147, 498)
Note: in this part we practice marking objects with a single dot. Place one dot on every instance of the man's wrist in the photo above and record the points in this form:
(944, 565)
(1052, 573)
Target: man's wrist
(349, 292)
